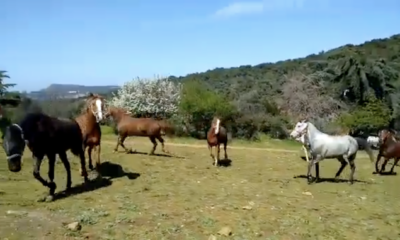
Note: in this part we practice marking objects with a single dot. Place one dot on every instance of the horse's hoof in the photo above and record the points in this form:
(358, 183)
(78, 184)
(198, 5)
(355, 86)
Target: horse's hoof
(49, 198)
(91, 168)
(376, 172)
(95, 174)
(310, 180)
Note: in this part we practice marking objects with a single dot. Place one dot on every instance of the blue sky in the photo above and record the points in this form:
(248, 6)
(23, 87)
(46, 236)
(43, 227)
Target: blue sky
(100, 42)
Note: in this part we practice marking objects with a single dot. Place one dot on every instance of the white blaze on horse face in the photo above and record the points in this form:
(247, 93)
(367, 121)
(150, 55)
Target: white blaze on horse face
(99, 110)
(299, 129)
(217, 126)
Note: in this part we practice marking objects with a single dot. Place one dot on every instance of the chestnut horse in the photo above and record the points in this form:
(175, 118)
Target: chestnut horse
(389, 148)
(88, 121)
(142, 127)
(216, 136)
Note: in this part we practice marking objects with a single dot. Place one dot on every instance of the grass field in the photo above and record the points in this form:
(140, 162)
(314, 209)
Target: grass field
(185, 197)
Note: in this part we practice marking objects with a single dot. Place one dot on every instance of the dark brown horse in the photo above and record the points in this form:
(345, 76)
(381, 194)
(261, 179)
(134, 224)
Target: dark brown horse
(88, 121)
(45, 136)
(389, 148)
(141, 127)
(216, 136)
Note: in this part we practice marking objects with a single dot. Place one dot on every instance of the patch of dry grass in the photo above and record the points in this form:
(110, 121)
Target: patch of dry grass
(185, 197)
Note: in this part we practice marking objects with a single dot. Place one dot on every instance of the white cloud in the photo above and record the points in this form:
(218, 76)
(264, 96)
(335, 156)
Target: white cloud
(240, 8)
(257, 7)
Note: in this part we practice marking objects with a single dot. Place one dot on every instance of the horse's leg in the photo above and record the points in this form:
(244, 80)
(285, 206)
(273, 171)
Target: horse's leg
(84, 173)
(67, 166)
(121, 142)
(378, 159)
(153, 140)
(98, 162)
(37, 162)
(226, 155)
(317, 172)
(116, 147)
(218, 153)
(384, 165)
(396, 160)
(36, 173)
(210, 148)
(343, 163)
(90, 149)
(352, 169)
(162, 144)
(311, 163)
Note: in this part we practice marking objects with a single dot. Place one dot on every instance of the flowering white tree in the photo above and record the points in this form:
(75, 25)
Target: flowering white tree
(156, 96)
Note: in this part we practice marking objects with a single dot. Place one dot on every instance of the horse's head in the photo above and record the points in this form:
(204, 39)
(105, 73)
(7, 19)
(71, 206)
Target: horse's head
(96, 105)
(299, 129)
(114, 112)
(216, 124)
(14, 145)
(386, 134)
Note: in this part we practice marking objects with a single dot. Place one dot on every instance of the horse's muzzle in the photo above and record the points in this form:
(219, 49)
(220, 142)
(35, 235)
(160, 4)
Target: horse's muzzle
(15, 165)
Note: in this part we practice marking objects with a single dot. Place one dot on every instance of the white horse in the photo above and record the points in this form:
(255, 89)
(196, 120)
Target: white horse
(323, 146)
(373, 141)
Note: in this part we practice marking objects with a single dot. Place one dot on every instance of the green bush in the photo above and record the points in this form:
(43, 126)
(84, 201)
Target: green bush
(369, 118)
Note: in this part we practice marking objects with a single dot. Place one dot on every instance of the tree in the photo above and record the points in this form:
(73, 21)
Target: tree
(369, 118)
(4, 86)
(303, 97)
(361, 75)
(156, 97)
(199, 104)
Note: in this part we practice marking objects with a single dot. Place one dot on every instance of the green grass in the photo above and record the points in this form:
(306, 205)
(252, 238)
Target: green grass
(185, 197)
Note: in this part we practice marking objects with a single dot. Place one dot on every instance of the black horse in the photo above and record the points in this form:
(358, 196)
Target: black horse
(45, 136)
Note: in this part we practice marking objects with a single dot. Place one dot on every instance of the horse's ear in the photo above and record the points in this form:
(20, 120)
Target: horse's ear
(90, 94)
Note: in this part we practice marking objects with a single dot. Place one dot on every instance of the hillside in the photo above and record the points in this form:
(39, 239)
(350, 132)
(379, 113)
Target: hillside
(235, 81)
(69, 91)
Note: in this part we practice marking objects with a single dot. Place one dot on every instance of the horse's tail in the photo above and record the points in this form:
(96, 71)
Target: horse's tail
(363, 144)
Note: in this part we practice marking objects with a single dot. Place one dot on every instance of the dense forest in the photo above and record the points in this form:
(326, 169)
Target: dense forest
(352, 86)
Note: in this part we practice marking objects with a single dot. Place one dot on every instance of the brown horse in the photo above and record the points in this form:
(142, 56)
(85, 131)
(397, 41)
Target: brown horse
(88, 121)
(216, 136)
(141, 127)
(389, 148)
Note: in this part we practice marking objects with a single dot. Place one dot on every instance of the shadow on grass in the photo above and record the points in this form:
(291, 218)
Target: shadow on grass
(225, 162)
(333, 180)
(386, 173)
(113, 170)
(155, 154)
(89, 186)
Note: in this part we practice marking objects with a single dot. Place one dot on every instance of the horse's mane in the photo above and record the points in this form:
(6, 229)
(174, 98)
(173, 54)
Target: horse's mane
(120, 110)
(313, 126)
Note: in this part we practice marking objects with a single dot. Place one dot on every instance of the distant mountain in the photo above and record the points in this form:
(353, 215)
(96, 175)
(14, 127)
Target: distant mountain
(69, 91)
